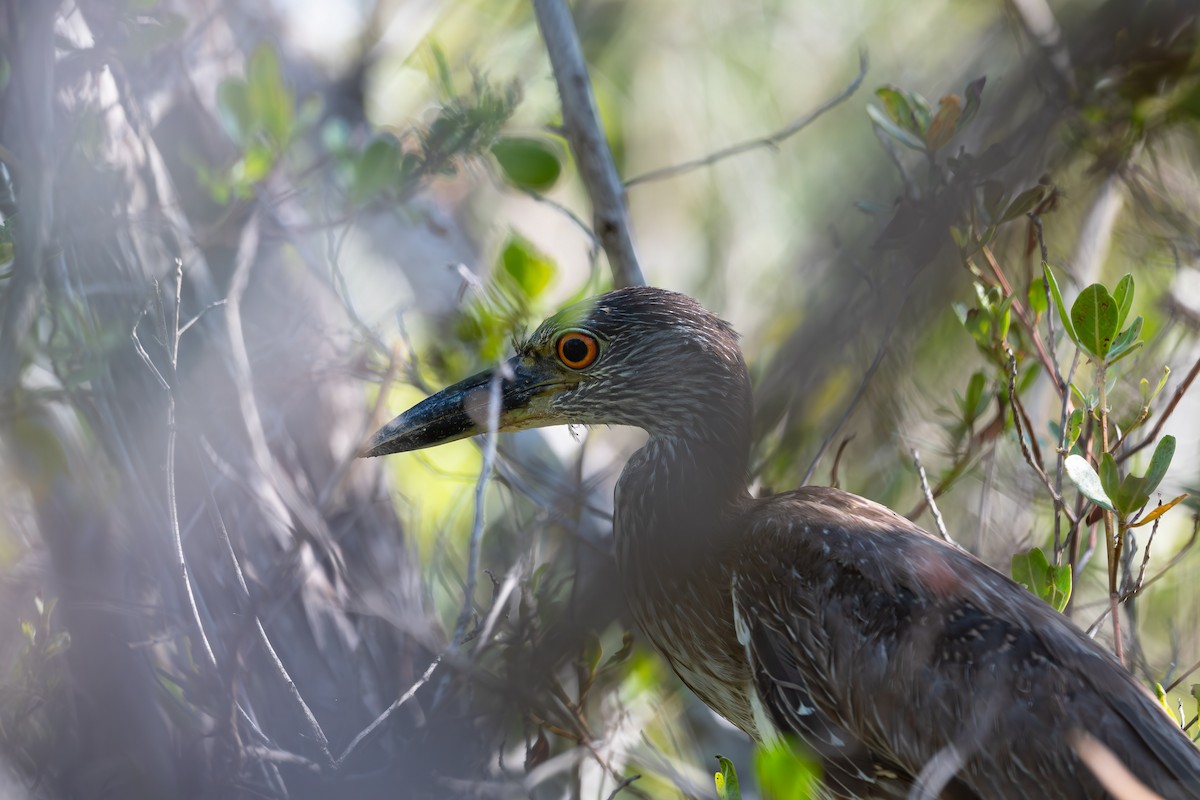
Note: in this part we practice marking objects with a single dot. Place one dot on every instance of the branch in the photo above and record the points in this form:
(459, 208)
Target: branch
(582, 125)
(930, 501)
(771, 141)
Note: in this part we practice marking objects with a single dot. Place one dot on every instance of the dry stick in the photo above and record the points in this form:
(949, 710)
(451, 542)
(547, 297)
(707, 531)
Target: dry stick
(1017, 307)
(937, 514)
(401, 700)
(242, 374)
(772, 141)
(582, 126)
(1017, 415)
(1142, 586)
(623, 785)
(1112, 540)
(485, 472)
(1059, 508)
(172, 506)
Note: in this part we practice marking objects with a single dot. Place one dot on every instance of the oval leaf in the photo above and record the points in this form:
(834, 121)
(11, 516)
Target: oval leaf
(1094, 317)
(1086, 480)
(529, 163)
(1163, 453)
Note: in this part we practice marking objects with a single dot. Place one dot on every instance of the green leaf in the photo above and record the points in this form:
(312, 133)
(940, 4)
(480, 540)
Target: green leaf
(727, 781)
(1144, 385)
(233, 107)
(974, 403)
(1058, 302)
(1074, 428)
(530, 270)
(1094, 317)
(270, 99)
(1086, 480)
(1035, 572)
(896, 106)
(1025, 202)
(889, 127)
(377, 168)
(785, 771)
(1110, 478)
(1123, 295)
(529, 163)
(1127, 340)
(1037, 296)
(1159, 462)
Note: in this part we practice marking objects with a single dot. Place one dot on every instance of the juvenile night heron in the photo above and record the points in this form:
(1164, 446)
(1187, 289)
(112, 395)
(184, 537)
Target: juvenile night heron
(907, 665)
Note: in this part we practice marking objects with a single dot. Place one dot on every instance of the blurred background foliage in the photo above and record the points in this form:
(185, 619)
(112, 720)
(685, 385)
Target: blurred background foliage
(237, 237)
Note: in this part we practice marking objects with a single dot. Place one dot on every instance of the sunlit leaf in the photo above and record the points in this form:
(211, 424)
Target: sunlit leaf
(1159, 510)
(1094, 318)
(885, 124)
(270, 99)
(785, 771)
(1086, 480)
(896, 106)
(727, 780)
(233, 108)
(529, 163)
(1034, 571)
(1037, 296)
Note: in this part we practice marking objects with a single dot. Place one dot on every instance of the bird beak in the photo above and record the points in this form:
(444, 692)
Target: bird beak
(459, 411)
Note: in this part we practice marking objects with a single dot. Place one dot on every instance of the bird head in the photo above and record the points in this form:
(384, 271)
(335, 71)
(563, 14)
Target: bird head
(639, 356)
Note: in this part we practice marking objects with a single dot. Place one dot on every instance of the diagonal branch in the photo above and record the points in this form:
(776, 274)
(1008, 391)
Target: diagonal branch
(582, 125)
(771, 141)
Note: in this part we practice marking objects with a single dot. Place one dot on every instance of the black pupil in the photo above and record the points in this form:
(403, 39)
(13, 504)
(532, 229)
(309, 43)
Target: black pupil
(574, 350)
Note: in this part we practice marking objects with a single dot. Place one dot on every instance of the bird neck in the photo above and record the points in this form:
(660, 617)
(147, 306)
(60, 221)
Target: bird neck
(679, 493)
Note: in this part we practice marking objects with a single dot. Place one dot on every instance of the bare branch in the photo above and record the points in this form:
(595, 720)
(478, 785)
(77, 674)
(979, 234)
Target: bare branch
(929, 500)
(401, 700)
(771, 141)
(582, 124)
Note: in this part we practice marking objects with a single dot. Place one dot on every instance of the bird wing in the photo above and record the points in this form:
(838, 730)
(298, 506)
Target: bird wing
(865, 630)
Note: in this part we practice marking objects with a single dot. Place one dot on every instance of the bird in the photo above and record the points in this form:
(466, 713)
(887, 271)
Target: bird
(906, 666)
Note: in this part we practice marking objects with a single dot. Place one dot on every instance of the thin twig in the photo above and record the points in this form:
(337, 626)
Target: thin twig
(1059, 544)
(880, 352)
(624, 784)
(937, 514)
(1018, 308)
(582, 126)
(401, 700)
(771, 141)
(485, 473)
(1180, 391)
(1029, 459)
(172, 504)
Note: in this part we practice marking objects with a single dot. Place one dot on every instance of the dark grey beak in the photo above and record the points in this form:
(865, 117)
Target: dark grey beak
(461, 410)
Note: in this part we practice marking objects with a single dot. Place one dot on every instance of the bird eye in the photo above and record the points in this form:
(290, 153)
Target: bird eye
(577, 350)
